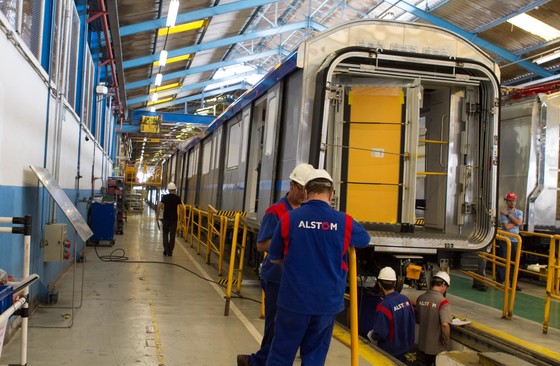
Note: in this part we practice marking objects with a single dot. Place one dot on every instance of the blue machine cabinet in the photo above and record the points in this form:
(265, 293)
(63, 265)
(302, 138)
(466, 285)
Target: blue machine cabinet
(103, 221)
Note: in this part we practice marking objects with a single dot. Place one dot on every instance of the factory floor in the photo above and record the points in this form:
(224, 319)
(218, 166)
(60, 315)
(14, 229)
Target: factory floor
(145, 309)
(127, 304)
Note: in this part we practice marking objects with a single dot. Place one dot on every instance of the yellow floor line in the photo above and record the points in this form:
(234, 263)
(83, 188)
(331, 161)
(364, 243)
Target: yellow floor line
(366, 351)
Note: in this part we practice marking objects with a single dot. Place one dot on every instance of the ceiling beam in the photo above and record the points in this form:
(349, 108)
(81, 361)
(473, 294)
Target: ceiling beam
(222, 42)
(211, 93)
(511, 57)
(194, 15)
(209, 67)
(524, 9)
(192, 86)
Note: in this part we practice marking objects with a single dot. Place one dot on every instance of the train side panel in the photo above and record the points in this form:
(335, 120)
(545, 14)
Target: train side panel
(235, 161)
(529, 147)
(192, 176)
(209, 174)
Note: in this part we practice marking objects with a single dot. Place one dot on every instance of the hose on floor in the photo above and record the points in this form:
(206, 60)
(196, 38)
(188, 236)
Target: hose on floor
(120, 257)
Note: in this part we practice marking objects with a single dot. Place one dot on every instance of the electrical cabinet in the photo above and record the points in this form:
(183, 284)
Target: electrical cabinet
(103, 221)
(55, 243)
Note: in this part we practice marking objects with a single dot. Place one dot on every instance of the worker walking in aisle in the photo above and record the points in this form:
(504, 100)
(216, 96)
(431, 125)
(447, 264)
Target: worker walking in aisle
(433, 314)
(394, 322)
(271, 273)
(169, 203)
(312, 242)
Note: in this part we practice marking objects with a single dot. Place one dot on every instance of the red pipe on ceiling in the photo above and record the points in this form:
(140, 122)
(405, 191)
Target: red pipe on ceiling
(103, 14)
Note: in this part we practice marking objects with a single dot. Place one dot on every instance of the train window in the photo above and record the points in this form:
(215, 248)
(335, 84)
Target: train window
(234, 145)
(271, 126)
(193, 159)
(206, 157)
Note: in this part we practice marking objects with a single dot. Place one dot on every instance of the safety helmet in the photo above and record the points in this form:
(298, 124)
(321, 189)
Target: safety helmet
(387, 274)
(444, 276)
(318, 173)
(300, 172)
(171, 187)
(511, 197)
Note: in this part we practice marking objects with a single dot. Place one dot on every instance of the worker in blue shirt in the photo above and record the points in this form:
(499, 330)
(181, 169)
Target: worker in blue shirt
(394, 321)
(271, 273)
(312, 243)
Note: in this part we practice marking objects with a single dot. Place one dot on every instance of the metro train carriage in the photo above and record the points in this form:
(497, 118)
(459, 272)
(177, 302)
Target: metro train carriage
(529, 163)
(403, 115)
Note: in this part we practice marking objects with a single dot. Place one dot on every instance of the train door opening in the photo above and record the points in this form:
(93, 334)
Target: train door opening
(255, 156)
(433, 160)
(412, 152)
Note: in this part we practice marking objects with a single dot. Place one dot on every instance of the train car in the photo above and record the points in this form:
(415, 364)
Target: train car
(529, 163)
(403, 115)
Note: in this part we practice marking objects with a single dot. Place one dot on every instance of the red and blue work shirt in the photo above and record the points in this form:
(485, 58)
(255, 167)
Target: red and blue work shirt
(394, 324)
(313, 241)
(270, 271)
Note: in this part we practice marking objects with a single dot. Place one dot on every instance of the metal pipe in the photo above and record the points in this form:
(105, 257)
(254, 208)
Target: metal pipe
(103, 11)
(25, 313)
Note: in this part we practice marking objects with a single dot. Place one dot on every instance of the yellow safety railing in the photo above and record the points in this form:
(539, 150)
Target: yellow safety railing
(197, 223)
(552, 273)
(508, 289)
(217, 225)
(183, 219)
(552, 279)
(232, 261)
(352, 273)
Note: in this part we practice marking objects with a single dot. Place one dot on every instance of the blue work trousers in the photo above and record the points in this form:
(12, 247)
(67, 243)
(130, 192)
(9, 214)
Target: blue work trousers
(501, 271)
(270, 296)
(169, 228)
(310, 333)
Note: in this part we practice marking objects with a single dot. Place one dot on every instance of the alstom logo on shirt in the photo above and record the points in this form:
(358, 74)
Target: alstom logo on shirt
(318, 225)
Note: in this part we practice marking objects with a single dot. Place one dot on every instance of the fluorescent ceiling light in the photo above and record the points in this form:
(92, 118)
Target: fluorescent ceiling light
(152, 109)
(535, 26)
(159, 78)
(154, 97)
(172, 15)
(162, 58)
(546, 58)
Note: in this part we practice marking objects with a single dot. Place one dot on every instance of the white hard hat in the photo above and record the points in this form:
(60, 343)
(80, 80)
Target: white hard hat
(318, 173)
(387, 274)
(444, 276)
(171, 187)
(300, 172)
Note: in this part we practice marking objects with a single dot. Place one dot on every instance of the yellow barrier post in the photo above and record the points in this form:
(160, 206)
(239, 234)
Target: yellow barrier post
(506, 240)
(352, 272)
(241, 254)
(551, 280)
(232, 264)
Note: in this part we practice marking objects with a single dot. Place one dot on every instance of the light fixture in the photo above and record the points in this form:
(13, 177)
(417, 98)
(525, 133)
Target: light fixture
(155, 97)
(159, 78)
(172, 15)
(546, 58)
(181, 28)
(162, 58)
(152, 109)
(535, 26)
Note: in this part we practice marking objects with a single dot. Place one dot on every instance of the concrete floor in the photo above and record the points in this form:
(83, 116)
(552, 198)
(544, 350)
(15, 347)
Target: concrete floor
(147, 310)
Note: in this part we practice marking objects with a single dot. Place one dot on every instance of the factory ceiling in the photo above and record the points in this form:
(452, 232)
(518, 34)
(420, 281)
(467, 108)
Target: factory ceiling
(211, 36)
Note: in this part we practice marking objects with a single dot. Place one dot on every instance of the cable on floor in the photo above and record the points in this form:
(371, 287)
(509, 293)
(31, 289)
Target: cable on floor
(122, 258)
